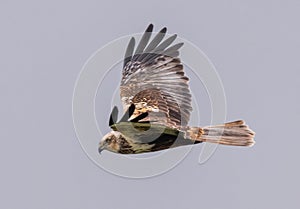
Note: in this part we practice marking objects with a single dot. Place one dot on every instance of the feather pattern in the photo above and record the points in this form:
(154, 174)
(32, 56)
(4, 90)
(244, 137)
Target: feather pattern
(153, 79)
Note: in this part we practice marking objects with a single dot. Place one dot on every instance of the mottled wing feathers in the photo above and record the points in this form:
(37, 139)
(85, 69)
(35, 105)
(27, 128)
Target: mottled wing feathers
(153, 79)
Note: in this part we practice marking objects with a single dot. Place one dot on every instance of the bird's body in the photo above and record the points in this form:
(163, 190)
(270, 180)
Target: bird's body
(157, 102)
(154, 137)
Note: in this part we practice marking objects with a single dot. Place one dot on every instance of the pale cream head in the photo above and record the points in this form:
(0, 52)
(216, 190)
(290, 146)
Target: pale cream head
(110, 142)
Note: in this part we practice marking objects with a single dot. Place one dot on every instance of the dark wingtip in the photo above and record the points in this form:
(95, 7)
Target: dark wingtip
(149, 28)
(132, 41)
(113, 116)
(180, 44)
(140, 117)
(128, 113)
(129, 51)
(164, 30)
(131, 110)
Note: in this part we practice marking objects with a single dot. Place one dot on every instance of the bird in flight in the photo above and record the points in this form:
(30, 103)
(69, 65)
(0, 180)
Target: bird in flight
(157, 103)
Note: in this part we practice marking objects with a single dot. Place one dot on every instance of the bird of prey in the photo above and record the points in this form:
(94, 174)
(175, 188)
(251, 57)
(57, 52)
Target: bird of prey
(157, 103)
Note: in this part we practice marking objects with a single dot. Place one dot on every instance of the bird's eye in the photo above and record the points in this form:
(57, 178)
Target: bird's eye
(108, 140)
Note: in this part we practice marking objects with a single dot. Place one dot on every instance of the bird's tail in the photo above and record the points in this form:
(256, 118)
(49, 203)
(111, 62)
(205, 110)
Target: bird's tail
(235, 133)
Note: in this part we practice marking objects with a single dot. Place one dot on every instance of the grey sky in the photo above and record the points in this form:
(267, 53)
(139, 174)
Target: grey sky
(255, 48)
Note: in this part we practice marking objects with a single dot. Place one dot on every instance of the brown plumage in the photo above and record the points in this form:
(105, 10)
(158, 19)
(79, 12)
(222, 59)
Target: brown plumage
(155, 93)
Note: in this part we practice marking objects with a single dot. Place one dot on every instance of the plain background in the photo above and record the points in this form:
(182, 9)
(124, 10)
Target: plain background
(43, 45)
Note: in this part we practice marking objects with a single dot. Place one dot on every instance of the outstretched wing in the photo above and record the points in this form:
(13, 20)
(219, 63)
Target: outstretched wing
(154, 81)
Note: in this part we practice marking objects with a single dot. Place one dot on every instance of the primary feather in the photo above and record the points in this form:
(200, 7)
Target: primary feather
(153, 79)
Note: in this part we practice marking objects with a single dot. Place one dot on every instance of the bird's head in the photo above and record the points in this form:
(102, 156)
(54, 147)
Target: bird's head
(110, 142)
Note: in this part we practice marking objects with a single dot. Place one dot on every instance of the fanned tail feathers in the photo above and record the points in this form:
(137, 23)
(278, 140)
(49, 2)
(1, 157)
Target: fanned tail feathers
(235, 133)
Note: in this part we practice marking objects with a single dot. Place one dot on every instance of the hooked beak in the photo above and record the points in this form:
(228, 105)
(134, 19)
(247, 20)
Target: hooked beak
(101, 148)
